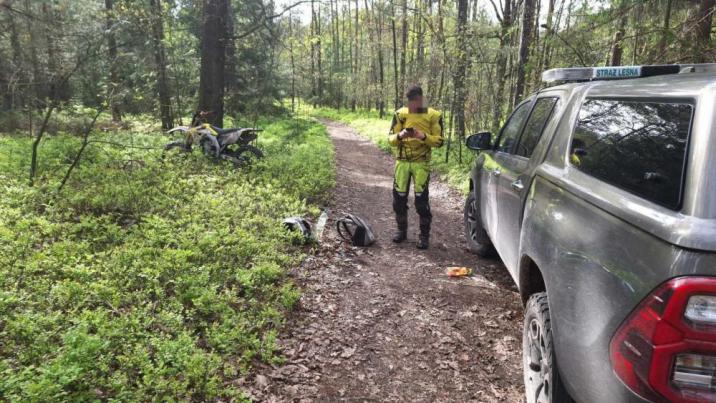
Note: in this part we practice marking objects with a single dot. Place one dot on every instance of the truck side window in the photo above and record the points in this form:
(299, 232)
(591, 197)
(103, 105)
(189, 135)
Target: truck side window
(513, 128)
(637, 146)
(536, 123)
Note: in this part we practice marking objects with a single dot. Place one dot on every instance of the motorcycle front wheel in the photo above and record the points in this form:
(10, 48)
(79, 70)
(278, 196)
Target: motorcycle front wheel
(248, 148)
(244, 155)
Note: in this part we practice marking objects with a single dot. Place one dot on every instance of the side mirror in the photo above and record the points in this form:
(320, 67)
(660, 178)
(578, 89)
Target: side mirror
(479, 142)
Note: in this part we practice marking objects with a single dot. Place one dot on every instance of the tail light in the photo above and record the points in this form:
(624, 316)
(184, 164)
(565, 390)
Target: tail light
(666, 349)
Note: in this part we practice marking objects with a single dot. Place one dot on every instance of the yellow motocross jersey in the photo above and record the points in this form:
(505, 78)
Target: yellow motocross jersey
(429, 122)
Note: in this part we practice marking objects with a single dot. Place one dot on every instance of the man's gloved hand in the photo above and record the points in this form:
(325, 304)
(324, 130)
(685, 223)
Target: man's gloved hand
(416, 134)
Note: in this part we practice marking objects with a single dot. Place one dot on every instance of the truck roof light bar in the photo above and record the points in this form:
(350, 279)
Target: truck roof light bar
(572, 74)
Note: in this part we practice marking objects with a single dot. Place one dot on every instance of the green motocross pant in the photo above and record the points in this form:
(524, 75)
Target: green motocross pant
(419, 173)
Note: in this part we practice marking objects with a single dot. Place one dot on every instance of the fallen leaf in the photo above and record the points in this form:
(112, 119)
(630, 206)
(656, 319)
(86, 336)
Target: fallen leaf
(261, 381)
(348, 352)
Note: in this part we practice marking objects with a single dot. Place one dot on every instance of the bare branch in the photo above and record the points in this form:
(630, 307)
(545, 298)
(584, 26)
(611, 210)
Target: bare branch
(497, 11)
(85, 142)
(36, 142)
(263, 19)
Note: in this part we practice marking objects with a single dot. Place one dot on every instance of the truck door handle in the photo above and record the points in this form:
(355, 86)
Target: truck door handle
(496, 172)
(517, 185)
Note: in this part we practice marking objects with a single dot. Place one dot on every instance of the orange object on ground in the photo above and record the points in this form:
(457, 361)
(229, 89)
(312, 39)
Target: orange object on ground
(458, 271)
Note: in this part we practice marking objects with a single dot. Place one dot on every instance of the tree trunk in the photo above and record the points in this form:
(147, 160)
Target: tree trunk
(443, 46)
(372, 79)
(664, 31)
(51, 53)
(314, 86)
(316, 40)
(460, 69)
(231, 81)
(6, 91)
(293, 63)
(557, 21)
(535, 45)
(417, 68)
(36, 142)
(381, 69)
(345, 30)
(332, 85)
(524, 53)
(435, 61)
(15, 98)
(396, 78)
(38, 86)
(160, 60)
(114, 84)
(637, 15)
(213, 55)
(501, 65)
(615, 58)
(546, 41)
(511, 62)
(403, 43)
(348, 16)
(702, 32)
(319, 55)
(357, 59)
(58, 88)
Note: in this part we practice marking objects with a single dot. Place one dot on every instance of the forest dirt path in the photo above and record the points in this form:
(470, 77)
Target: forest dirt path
(385, 323)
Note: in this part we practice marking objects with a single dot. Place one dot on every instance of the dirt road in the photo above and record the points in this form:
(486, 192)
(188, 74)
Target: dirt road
(385, 323)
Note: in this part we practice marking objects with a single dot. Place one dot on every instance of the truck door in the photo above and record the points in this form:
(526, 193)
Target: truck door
(516, 177)
(492, 170)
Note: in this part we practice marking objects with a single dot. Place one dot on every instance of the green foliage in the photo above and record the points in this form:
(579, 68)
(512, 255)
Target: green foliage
(383, 48)
(148, 278)
(368, 124)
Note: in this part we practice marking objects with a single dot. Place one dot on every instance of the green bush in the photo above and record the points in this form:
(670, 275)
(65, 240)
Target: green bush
(148, 277)
(368, 124)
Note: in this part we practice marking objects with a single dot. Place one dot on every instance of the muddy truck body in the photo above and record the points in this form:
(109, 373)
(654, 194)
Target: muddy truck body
(599, 194)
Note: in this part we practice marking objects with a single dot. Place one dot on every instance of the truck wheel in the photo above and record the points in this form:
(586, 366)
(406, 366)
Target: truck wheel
(542, 381)
(477, 239)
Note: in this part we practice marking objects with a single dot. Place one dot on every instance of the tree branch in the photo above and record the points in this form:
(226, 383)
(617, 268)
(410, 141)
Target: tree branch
(36, 143)
(497, 11)
(50, 109)
(265, 18)
(85, 142)
(569, 45)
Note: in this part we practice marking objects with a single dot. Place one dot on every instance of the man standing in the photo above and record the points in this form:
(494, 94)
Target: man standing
(415, 130)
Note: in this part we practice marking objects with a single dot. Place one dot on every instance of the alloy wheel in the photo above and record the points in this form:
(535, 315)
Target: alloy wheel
(537, 366)
(472, 220)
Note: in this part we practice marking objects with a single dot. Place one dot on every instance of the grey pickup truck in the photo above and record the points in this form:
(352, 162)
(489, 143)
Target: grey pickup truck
(599, 194)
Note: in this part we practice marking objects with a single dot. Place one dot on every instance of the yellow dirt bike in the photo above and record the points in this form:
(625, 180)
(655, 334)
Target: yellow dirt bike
(232, 144)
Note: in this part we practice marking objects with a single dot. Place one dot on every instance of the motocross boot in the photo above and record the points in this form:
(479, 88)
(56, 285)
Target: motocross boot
(424, 238)
(402, 233)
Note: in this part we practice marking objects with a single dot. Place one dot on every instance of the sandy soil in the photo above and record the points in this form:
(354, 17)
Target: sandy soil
(385, 323)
